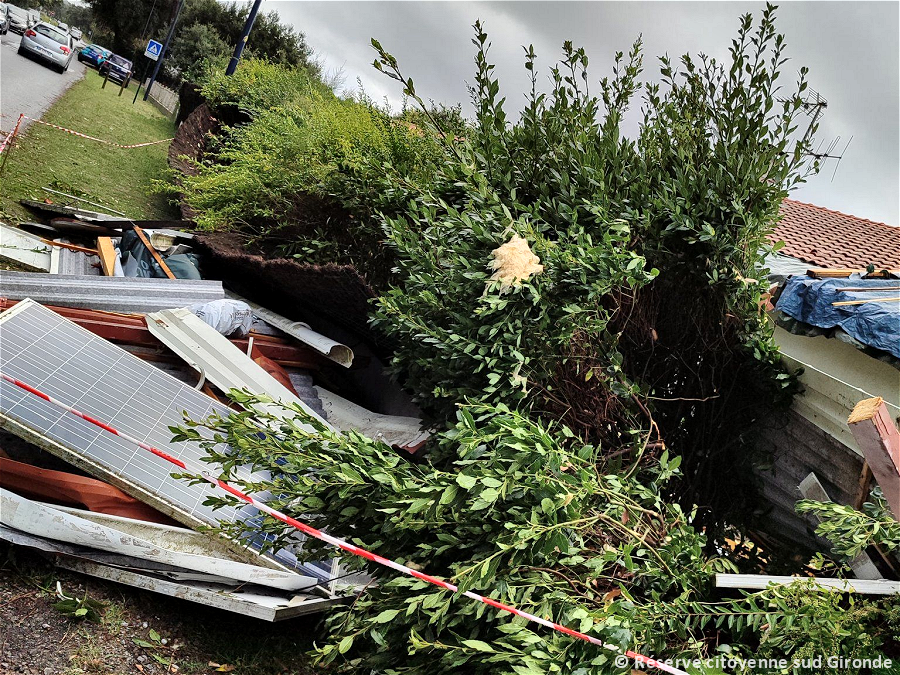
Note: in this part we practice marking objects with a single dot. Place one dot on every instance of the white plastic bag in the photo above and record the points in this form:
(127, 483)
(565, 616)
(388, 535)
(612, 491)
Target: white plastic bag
(226, 316)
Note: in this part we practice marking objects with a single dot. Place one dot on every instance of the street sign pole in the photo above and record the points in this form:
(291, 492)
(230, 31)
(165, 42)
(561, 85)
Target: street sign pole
(165, 49)
(141, 81)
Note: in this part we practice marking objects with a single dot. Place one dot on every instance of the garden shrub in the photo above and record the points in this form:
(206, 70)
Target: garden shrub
(555, 283)
(309, 170)
(690, 202)
(517, 510)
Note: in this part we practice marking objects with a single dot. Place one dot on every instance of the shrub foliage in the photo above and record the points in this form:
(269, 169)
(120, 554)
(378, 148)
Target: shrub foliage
(577, 313)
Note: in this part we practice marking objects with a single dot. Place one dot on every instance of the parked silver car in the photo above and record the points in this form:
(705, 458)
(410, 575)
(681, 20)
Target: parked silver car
(49, 43)
(18, 19)
(4, 19)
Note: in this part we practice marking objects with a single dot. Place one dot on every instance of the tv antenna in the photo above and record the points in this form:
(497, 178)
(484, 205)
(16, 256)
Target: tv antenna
(814, 106)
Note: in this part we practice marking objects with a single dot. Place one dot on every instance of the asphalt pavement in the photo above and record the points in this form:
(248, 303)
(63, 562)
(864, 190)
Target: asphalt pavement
(27, 85)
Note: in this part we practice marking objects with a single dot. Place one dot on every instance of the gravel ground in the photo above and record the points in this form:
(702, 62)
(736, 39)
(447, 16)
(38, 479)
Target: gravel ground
(178, 636)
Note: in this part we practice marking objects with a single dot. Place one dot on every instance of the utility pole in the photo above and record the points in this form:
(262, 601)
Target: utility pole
(165, 50)
(239, 47)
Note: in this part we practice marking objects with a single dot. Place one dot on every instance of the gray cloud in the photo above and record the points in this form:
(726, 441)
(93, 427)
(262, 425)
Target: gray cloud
(851, 48)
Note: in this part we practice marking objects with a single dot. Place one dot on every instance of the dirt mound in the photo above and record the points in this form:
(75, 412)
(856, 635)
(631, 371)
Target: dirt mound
(189, 146)
(336, 292)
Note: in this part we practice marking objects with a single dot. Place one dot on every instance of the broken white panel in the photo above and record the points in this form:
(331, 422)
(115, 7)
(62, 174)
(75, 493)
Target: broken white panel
(393, 430)
(862, 565)
(761, 581)
(24, 248)
(265, 604)
(215, 357)
(269, 607)
(337, 352)
(169, 536)
(44, 521)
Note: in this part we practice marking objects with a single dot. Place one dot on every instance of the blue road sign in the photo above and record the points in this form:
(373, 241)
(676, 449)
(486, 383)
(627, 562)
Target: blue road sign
(154, 49)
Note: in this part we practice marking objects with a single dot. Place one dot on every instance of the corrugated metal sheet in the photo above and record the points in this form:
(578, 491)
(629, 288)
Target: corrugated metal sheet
(112, 294)
(814, 437)
(73, 263)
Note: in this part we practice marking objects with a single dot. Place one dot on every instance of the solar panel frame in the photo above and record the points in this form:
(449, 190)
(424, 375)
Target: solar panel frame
(72, 364)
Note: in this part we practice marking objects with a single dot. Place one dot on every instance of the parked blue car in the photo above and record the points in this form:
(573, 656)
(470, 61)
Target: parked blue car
(94, 55)
(119, 68)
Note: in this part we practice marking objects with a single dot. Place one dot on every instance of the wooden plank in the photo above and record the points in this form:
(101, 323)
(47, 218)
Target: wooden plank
(762, 581)
(156, 256)
(878, 438)
(840, 273)
(107, 255)
(71, 247)
(842, 303)
(865, 485)
(831, 273)
(865, 290)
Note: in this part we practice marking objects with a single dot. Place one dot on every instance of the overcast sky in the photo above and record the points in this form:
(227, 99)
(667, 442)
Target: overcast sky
(851, 49)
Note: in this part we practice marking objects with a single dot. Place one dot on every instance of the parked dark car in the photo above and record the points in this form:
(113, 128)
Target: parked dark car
(48, 43)
(119, 69)
(18, 19)
(94, 55)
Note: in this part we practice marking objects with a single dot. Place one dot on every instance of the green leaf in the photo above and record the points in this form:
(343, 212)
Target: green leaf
(466, 482)
(449, 494)
(478, 645)
(386, 616)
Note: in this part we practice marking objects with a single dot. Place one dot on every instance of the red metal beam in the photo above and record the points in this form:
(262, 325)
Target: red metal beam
(131, 329)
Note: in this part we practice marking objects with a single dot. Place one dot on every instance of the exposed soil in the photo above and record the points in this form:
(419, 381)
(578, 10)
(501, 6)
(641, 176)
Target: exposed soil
(37, 639)
(337, 292)
(260, 266)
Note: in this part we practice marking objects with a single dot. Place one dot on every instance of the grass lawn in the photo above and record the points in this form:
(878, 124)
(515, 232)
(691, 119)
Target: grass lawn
(116, 177)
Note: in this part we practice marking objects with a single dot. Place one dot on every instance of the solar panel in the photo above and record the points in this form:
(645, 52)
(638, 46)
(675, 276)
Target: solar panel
(95, 376)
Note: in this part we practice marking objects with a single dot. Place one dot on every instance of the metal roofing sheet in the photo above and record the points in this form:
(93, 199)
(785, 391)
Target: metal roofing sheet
(112, 294)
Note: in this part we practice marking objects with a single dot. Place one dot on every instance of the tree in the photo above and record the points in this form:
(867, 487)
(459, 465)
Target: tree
(197, 46)
(125, 22)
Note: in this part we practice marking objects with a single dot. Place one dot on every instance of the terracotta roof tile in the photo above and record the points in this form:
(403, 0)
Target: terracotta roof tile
(829, 238)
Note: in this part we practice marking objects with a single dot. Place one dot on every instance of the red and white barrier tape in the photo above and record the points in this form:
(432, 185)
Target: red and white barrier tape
(11, 135)
(94, 138)
(340, 543)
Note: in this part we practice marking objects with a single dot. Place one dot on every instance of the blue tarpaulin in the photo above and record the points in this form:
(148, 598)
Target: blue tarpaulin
(876, 324)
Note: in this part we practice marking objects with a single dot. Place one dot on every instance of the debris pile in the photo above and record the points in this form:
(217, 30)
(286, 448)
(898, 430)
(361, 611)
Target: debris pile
(115, 317)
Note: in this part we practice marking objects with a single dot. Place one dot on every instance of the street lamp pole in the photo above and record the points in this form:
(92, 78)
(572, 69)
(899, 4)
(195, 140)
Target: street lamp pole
(239, 47)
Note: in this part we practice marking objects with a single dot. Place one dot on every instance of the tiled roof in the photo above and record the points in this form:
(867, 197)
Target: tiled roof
(829, 238)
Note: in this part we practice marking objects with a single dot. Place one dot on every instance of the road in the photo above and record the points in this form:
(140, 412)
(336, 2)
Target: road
(28, 86)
